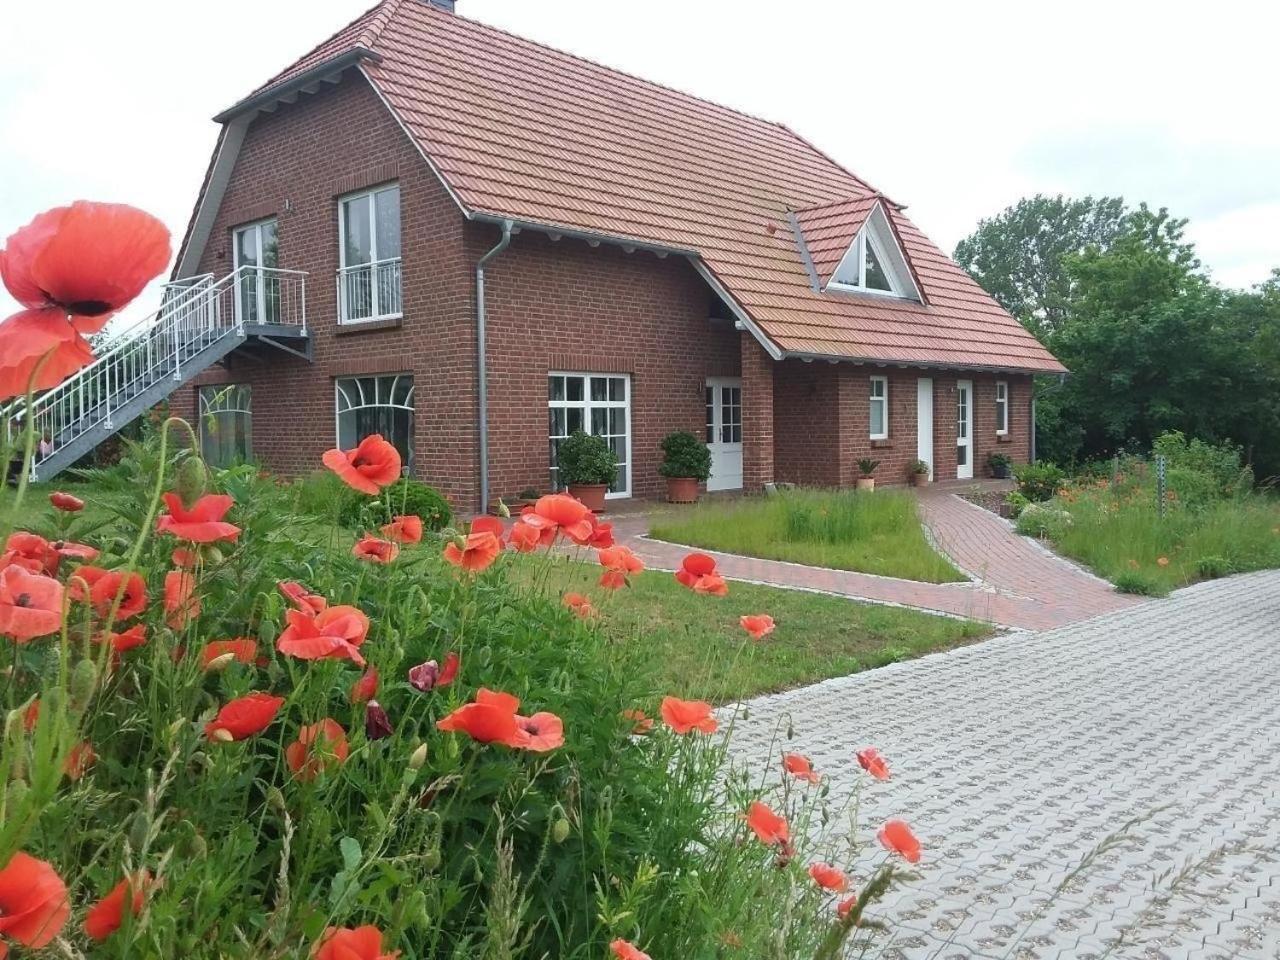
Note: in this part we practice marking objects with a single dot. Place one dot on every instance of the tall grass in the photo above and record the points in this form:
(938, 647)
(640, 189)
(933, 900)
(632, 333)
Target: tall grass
(869, 532)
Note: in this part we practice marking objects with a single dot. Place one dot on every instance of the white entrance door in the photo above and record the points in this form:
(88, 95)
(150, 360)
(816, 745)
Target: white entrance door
(924, 421)
(724, 432)
(964, 429)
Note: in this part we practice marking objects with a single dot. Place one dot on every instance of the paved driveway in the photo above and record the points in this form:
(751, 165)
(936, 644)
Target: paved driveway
(1110, 788)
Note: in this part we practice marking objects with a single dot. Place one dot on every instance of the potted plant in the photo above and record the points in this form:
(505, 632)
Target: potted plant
(999, 464)
(686, 462)
(587, 467)
(528, 497)
(918, 473)
(868, 467)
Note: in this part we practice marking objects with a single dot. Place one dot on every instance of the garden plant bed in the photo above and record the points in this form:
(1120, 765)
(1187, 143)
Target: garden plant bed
(877, 533)
(992, 500)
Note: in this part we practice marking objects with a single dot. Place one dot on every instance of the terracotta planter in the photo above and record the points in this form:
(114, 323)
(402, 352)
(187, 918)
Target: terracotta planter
(917, 479)
(682, 490)
(867, 483)
(591, 495)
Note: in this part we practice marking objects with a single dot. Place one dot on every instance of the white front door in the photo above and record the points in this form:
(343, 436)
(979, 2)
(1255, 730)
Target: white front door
(924, 421)
(724, 432)
(964, 429)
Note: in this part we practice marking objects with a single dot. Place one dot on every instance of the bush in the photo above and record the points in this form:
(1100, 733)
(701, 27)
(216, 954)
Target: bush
(1017, 503)
(1218, 468)
(1211, 567)
(684, 455)
(323, 496)
(586, 460)
(1038, 481)
(1139, 582)
(1043, 521)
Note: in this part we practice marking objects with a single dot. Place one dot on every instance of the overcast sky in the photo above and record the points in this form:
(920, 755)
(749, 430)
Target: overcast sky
(955, 109)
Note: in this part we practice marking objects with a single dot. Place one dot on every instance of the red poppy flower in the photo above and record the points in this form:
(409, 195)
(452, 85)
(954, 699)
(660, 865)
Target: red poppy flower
(320, 746)
(366, 688)
(829, 878)
(800, 767)
(561, 512)
(525, 538)
(243, 717)
(372, 465)
(30, 604)
(871, 761)
(181, 604)
(487, 524)
(641, 721)
(79, 759)
(601, 535)
(242, 650)
(375, 550)
(405, 529)
(31, 716)
(202, 523)
(619, 563)
(684, 716)
(428, 676)
(105, 917)
(767, 825)
(626, 950)
(759, 625)
(31, 552)
(334, 633)
(694, 566)
(135, 636)
(845, 906)
(897, 837)
(66, 502)
(579, 604)
(75, 551)
(42, 339)
(544, 731)
(184, 558)
(301, 598)
(34, 906)
(360, 943)
(712, 584)
(476, 553)
(490, 719)
(104, 585)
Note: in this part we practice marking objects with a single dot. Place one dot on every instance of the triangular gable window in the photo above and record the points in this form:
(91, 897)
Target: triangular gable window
(874, 262)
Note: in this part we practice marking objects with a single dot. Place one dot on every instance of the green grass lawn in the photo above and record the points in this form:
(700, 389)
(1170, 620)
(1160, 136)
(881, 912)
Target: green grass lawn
(693, 645)
(869, 532)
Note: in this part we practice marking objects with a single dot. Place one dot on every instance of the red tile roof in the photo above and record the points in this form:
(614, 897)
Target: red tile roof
(523, 131)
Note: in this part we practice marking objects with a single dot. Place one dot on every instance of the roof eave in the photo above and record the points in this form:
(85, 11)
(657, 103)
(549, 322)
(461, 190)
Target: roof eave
(327, 70)
(922, 364)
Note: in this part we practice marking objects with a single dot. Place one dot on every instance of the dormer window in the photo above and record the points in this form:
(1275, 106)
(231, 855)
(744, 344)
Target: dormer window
(874, 262)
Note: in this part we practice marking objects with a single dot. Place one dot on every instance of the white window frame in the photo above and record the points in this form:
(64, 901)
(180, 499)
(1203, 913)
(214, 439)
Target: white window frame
(586, 405)
(1002, 408)
(339, 394)
(260, 282)
(393, 264)
(850, 275)
(215, 401)
(883, 400)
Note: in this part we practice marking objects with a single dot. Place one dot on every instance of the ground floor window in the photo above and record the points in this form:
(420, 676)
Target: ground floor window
(382, 404)
(879, 408)
(1002, 407)
(226, 423)
(600, 404)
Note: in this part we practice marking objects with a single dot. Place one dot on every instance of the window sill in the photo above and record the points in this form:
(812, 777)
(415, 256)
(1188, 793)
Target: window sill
(361, 326)
(1003, 438)
(881, 443)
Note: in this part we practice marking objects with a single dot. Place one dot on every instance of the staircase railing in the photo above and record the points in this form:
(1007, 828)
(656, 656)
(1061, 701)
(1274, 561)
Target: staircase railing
(194, 314)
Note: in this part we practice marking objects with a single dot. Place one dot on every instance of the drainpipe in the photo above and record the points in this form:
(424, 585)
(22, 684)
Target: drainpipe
(482, 370)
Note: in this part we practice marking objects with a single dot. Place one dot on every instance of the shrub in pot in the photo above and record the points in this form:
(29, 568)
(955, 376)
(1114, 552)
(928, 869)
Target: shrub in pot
(868, 468)
(686, 463)
(587, 467)
(999, 464)
(918, 473)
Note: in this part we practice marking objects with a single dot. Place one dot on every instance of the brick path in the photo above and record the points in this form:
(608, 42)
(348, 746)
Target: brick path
(1016, 582)
(1016, 759)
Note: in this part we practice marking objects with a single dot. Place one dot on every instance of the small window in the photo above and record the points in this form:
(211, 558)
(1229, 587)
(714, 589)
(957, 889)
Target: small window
(369, 405)
(369, 255)
(875, 263)
(598, 404)
(879, 408)
(226, 424)
(1002, 408)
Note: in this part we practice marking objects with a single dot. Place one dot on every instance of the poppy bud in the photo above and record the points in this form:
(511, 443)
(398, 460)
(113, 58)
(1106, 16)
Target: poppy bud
(276, 798)
(417, 910)
(138, 829)
(424, 676)
(377, 725)
(191, 480)
(221, 662)
(560, 830)
(431, 859)
(197, 849)
(223, 734)
(212, 554)
(503, 510)
(418, 758)
(84, 677)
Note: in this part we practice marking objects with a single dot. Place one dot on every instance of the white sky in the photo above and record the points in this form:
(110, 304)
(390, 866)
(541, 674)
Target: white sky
(956, 109)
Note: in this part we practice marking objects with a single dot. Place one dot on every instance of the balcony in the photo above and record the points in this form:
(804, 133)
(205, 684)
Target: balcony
(369, 292)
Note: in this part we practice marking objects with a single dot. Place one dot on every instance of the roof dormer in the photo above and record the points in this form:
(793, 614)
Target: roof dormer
(851, 247)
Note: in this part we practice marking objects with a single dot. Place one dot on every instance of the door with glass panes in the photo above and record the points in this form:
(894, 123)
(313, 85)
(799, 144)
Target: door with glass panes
(724, 432)
(257, 289)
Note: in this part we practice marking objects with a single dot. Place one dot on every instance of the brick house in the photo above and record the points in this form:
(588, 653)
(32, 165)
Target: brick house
(633, 260)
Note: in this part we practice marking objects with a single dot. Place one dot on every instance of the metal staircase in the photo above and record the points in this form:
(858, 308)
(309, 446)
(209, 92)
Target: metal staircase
(199, 322)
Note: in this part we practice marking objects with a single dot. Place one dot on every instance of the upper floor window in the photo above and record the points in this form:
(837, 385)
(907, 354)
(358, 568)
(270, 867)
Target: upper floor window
(369, 255)
(1002, 407)
(875, 263)
(257, 254)
(369, 405)
(879, 408)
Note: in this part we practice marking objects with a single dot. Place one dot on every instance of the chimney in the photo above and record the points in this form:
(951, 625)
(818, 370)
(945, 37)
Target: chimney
(445, 5)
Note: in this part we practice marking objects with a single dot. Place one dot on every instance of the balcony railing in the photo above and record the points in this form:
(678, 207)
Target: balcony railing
(369, 291)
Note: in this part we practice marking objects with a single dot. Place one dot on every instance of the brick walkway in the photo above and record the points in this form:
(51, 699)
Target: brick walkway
(1016, 582)
(1110, 788)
